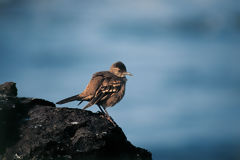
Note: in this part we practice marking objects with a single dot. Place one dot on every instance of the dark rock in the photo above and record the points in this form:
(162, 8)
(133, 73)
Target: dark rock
(8, 89)
(13, 113)
(42, 131)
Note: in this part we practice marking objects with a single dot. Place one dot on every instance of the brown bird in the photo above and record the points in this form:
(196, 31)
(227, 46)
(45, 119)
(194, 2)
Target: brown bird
(105, 89)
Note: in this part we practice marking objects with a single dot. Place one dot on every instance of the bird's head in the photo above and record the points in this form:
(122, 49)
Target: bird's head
(119, 69)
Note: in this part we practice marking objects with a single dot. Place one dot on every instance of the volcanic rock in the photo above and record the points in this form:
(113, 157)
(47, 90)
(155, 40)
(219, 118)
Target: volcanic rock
(34, 129)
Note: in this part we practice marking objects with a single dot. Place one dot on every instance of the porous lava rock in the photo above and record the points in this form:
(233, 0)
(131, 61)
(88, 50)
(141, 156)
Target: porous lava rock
(35, 129)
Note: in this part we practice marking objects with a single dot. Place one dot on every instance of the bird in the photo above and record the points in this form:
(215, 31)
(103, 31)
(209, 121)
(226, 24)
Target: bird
(105, 89)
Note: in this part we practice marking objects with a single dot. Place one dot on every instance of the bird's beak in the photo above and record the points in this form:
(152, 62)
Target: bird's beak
(127, 73)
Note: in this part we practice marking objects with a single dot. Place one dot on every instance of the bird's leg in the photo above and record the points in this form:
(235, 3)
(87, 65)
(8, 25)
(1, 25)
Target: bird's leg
(106, 114)
(101, 109)
(109, 118)
(103, 113)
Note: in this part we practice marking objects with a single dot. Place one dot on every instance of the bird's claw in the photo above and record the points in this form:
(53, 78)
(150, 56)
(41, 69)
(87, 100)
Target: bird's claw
(110, 119)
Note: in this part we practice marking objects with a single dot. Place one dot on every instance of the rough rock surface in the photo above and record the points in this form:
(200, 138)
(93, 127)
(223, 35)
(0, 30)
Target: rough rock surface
(8, 89)
(35, 129)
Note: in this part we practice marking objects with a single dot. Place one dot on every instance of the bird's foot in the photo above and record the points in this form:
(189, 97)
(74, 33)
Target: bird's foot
(111, 120)
(108, 118)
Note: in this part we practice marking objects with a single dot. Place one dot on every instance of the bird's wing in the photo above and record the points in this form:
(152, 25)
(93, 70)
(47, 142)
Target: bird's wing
(92, 87)
(108, 86)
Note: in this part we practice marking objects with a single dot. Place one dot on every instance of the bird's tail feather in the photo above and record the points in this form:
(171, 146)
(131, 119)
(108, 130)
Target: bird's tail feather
(69, 99)
(95, 100)
(88, 105)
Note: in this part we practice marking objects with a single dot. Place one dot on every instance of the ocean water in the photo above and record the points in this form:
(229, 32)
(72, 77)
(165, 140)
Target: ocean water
(183, 100)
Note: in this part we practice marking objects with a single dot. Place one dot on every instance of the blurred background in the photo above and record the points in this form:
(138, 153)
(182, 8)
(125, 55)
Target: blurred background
(183, 101)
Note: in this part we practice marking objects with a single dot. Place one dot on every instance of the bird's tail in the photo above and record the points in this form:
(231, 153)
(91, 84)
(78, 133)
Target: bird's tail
(69, 99)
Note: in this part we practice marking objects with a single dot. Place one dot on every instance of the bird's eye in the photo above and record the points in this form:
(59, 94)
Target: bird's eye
(117, 70)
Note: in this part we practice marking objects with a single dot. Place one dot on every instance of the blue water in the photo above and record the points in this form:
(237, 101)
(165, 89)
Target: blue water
(183, 100)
